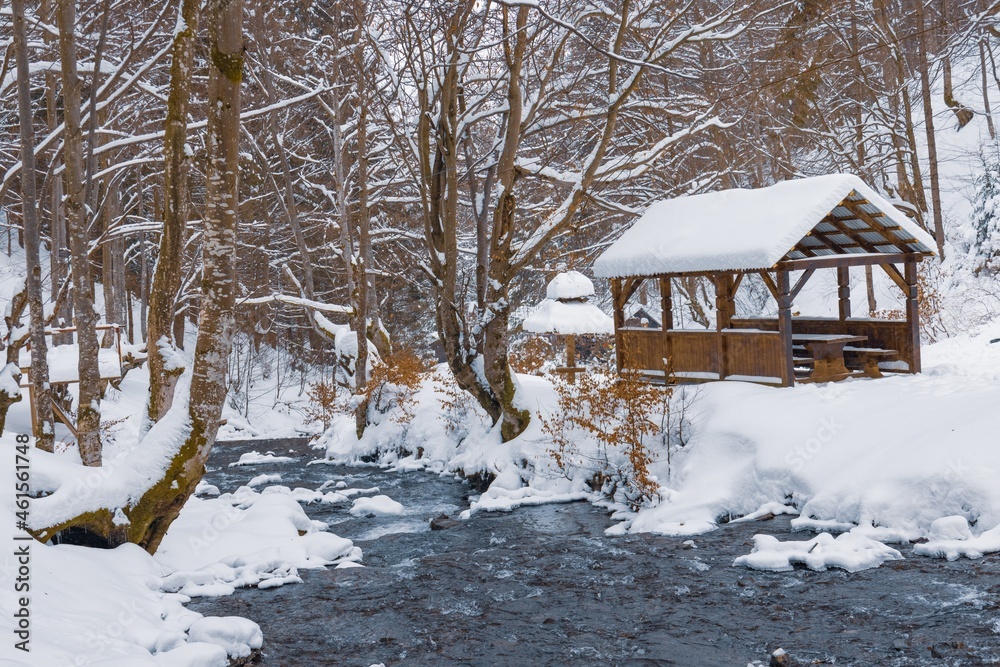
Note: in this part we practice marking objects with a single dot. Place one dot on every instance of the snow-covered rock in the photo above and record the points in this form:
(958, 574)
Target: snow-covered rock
(256, 458)
(112, 607)
(245, 539)
(237, 636)
(377, 505)
(260, 480)
(950, 528)
(849, 552)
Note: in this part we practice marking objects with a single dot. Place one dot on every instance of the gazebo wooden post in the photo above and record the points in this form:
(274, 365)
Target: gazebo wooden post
(619, 310)
(666, 303)
(571, 358)
(913, 312)
(724, 307)
(785, 328)
(844, 291)
(667, 321)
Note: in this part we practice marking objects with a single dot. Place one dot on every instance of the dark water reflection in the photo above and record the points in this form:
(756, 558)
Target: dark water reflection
(544, 586)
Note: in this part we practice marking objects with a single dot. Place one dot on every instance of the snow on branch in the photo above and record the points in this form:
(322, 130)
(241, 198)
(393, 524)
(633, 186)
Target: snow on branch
(701, 32)
(154, 136)
(297, 301)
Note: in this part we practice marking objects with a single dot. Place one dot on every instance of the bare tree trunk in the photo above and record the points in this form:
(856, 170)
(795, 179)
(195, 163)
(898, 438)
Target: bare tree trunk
(167, 274)
(904, 141)
(143, 286)
(180, 324)
(92, 189)
(362, 258)
(57, 224)
(44, 425)
(123, 311)
(986, 90)
(962, 113)
(112, 266)
(993, 64)
(859, 132)
(925, 94)
(89, 408)
(497, 315)
(911, 136)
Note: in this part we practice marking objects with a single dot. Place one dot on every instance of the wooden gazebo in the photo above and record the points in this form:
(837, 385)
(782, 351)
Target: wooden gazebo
(782, 233)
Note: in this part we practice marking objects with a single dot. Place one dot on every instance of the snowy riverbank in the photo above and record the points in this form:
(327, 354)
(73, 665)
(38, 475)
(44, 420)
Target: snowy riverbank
(900, 459)
(885, 458)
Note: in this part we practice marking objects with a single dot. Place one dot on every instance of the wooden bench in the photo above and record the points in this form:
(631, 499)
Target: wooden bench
(868, 358)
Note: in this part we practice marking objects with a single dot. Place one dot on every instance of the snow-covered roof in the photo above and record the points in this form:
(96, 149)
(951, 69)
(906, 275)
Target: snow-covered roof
(570, 285)
(575, 317)
(737, 230)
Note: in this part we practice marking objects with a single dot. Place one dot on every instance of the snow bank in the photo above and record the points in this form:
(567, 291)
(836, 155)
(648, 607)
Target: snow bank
(453, 435)
(125, 607)
(442, 420)
(881, 459)
(849, 552)
(103, 607)
(244, 539)
(951, 538)
(896, 453)
(106, 607)
(237, 636)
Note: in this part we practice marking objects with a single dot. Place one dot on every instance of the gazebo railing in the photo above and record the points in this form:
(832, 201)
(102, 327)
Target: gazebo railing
(699, 354)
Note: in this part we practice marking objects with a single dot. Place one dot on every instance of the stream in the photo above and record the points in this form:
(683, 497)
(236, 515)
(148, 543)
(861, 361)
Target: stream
(544, 586)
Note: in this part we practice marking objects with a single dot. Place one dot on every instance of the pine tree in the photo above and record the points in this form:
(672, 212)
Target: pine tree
(984, 249)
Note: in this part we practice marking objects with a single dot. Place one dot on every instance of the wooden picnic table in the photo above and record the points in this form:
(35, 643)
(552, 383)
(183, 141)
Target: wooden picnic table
(827, 352)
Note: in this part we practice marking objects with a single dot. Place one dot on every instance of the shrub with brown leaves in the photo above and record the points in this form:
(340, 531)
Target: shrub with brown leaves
(393, 382)
(323, 403)
(617, 413)
(530, 355)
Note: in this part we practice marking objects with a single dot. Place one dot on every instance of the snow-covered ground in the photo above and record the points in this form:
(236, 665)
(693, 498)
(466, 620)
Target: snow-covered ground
(124, 607)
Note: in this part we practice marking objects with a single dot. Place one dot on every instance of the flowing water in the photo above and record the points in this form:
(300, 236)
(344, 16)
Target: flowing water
(544, 586)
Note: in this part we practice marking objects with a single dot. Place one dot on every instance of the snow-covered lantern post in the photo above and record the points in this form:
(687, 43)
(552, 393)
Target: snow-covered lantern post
(566, 312)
